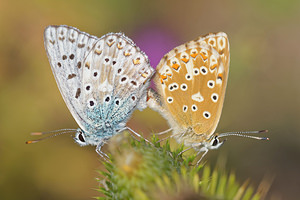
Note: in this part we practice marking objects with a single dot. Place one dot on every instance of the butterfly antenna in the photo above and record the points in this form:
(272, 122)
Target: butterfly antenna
(51, 136)
(244, 134)
(56, 131)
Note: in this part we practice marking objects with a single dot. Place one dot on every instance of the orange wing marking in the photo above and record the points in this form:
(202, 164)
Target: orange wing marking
(164, 77)
(110, 42)
(119, 45)
(220, 76)
(213, 67)
(185, 59)
(136, 61)
(194, 54)
(175, 66)
(127, 54)
(203, 55)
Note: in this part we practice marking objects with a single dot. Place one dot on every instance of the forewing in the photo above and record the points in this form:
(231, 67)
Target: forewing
(192, 79)
(66, 48)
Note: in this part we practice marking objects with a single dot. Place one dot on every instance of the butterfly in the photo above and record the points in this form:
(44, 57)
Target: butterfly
(102, 81)
(191, 82)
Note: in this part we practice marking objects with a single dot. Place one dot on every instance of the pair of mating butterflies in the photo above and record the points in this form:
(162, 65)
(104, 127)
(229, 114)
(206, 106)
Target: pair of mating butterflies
(103, 80)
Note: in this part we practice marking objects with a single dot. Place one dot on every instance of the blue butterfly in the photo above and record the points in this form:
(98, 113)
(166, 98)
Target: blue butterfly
(102, 81)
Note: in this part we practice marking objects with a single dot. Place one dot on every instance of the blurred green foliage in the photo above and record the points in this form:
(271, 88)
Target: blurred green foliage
(143, 171)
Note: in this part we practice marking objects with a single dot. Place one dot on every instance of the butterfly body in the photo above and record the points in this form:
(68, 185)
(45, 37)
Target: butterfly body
(102, 80)
(191, 81)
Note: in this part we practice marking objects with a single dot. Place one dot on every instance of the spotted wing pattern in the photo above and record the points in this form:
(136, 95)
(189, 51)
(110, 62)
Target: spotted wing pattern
(192, 80)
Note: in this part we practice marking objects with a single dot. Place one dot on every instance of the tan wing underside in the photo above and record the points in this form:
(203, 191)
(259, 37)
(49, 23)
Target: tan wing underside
(184, 65)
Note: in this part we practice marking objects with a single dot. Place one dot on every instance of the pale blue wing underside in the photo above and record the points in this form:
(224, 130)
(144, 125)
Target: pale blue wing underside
(119, 74)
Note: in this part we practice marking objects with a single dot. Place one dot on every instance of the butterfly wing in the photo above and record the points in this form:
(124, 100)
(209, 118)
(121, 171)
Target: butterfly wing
(66, 48)
(101, 80)
(192, 80)
(116, 74)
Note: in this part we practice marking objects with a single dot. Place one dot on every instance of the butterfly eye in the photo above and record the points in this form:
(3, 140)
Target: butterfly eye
(81, 138)
(215, 141)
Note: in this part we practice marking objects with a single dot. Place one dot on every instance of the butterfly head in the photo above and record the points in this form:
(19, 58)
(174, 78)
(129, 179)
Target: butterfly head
(84, 138)
(214, 142)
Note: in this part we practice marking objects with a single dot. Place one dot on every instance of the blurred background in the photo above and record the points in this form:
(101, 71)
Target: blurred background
(262, 92)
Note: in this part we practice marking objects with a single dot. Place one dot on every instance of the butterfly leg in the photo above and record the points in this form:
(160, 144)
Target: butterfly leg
(205, 152)
(135, 133)
(101, 153)
(184, 151)
(163, 139)
(124, 129)
(164, 132)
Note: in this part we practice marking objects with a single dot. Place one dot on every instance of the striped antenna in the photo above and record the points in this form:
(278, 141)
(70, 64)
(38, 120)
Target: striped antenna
(245, 134)
(56, 133)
